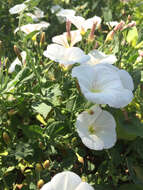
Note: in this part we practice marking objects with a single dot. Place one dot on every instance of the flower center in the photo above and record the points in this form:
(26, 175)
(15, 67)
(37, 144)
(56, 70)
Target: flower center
(82, 31)
(91, 129)
(95, 90)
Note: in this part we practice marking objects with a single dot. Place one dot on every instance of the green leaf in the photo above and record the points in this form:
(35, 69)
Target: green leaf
(42, 109)
(129, 130)
(32, 131)
(132, 36)
(130, 187)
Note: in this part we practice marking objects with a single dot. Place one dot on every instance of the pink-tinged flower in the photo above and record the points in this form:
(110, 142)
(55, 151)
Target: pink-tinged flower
(96, 130)
(105, 84)
(66, 181)
(82, 24)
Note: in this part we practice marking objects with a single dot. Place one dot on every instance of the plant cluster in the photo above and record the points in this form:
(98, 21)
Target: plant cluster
(71, 95)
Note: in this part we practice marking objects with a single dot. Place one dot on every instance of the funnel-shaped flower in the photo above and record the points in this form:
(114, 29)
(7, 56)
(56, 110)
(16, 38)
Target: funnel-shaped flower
(105, 84)
(99, 57)
(75, 37)
(66, 181)
(65, 56)
(38, 13)
(28, 28)
(96, 128)
(17, 8)
(17, 62)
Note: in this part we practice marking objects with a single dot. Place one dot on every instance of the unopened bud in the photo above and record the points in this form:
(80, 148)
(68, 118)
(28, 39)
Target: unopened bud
(42, 39)
(46, 164)
(40, 183)
(80, 159)
(129, 18)
(91, 35)
(90, 112)
(130, 25)
(110, 36)
(16, 50)
(38, 167)
(6, 138)
(119, 26)
(41, 145)
(68, 28)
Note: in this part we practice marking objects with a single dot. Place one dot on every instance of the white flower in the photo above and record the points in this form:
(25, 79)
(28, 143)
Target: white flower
(55, 8)
(105, 84)
(17, 62)
(82, 24)
(28, 28)
(38, 13)
(65, 56)
(61, 13)
(111, 24)
(66, 181)
(65, 13)
(17, 8)
(62, 39)
(96, 128)
(99, 57)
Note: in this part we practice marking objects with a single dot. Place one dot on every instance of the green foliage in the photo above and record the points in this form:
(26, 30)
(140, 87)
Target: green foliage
(39, 103)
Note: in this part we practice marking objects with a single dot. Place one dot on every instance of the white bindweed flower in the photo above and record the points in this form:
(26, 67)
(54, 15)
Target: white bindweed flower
(66, 181)
(75, 37)
(17, 8)
(82, 24)
(17, 62)
(65, 13)
(55, 8)
(38, 13)
(99, 57)
(61, 13)
(105, 84)
(28, 28)
(96, 128)
(65, 56)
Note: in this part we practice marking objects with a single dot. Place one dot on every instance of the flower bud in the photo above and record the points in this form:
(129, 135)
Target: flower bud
(40, 183)
(38, 167)
(46, 164)
(80, 159)
(68, 27)
(119, 26)
(91, 35)
(42, 39)
(16, 50)
(6, 138)
(110, 36)
(90, 112)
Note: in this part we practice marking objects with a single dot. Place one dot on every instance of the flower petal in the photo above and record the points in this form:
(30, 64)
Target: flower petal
(17, 8)
(47, 186)
(65, 180)
(103, 126)
(100, 57)
(65, 56)
(84, 186)
(101, 84)
(126, 79)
